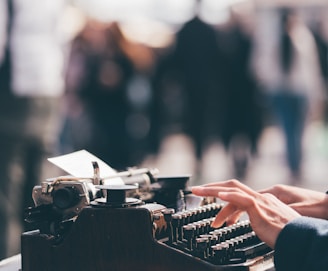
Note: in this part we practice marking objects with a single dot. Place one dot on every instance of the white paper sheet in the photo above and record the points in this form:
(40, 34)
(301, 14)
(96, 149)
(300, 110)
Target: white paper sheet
(79, 164)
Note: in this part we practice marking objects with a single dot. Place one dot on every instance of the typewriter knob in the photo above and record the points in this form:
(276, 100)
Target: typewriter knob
(116, 196)
(66, 197)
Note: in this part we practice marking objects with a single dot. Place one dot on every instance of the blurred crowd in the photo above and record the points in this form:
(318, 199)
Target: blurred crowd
(100, 90)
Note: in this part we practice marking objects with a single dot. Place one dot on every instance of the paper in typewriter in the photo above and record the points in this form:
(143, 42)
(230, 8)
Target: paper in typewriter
(79, 164)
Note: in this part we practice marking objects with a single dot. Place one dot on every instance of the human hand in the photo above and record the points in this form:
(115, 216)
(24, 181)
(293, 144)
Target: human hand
(305, 201)
(267, 214)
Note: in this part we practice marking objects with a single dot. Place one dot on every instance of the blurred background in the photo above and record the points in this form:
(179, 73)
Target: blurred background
(217, 89)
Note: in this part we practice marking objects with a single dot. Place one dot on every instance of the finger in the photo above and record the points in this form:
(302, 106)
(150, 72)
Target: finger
(204, 191)
(241, 200)
(223, 215)
(233, 184)
(221, 183)
(234, 218)
(279, 192)
(270, 190)
(280, 189)
(213, 191)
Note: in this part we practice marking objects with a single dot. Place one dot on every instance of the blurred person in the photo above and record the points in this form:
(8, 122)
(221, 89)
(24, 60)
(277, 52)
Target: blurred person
(31, 84)
(238, 102)
(291, 220)
(206, 90)
(319, 31)
(185, 79)
(289, 74)
(320, 35)
(98, 74)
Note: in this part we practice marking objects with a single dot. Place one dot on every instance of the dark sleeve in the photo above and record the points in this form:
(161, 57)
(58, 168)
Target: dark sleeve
(303, 245)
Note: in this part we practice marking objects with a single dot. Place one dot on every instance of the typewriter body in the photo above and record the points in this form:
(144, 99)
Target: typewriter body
(88, 225)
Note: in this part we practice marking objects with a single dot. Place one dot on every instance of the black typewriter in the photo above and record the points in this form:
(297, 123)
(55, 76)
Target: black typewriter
(146, 224)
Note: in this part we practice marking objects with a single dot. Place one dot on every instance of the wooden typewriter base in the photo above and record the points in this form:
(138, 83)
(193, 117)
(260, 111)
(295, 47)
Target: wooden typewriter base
(115, 239)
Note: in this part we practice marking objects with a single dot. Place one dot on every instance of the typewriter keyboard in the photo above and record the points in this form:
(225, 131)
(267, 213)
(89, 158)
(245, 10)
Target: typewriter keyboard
(190, 231)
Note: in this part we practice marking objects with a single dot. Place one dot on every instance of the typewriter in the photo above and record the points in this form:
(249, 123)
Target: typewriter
(145, 224)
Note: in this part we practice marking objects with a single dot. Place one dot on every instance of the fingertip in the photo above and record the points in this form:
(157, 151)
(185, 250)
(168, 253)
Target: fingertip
(196, 189)
(213, 226)
(217, 223)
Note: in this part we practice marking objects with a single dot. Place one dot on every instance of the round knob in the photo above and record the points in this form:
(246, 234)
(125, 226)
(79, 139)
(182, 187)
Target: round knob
(116, 195)
(66, 197)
